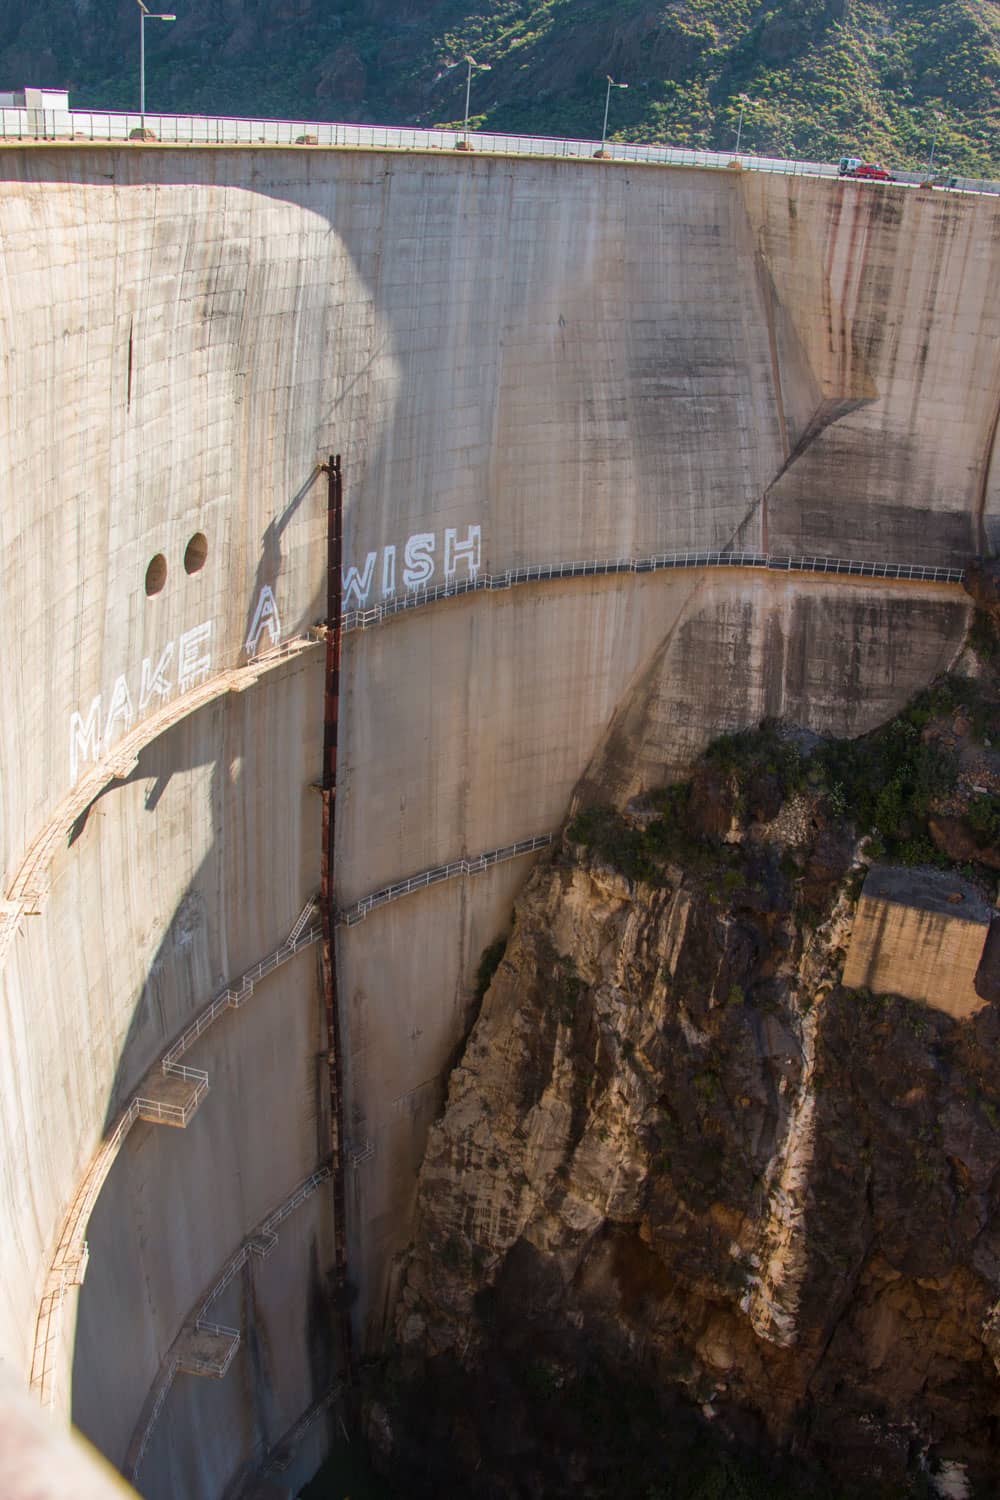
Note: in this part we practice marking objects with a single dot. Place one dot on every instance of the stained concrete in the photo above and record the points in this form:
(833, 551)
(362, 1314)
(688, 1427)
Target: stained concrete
(582, 362)
(921, 934)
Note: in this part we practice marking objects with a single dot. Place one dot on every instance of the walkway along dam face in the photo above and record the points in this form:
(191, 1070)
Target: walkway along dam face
(523, 364)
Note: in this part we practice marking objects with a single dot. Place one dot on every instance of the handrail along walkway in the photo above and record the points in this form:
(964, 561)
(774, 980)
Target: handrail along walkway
(351, 915)
(258, 1243)
(364, 619)
(69, 1262)
(29, 885)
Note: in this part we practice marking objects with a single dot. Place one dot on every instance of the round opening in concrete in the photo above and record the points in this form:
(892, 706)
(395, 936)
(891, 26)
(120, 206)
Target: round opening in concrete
(156, 574)
(195, 553)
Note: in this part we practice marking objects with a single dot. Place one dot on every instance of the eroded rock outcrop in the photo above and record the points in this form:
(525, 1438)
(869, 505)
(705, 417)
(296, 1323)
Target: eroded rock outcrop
(680, 1160)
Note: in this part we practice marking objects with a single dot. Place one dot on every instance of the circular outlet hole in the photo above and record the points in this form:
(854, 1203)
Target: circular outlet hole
(195, 553)
(156, 574)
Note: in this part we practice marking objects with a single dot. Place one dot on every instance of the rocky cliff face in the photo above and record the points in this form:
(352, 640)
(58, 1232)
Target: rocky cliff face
(687, 1183)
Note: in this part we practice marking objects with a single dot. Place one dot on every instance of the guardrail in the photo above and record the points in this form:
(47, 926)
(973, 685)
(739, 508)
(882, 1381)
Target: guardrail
(263, 1462)
(233, 998)
(351, 915)
(364, 619)
(70, 1257)
(156, 1110)
(280, 1457)
(193, 1364)
(304, 1191)
(161, 1390)
(259, 1242)
(219, 130)
(222, 130)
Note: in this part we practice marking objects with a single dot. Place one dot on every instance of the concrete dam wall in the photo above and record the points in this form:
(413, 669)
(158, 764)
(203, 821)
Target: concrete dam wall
(520, 363)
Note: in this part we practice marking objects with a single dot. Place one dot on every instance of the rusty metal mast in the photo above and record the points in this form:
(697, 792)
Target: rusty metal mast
(334, 549)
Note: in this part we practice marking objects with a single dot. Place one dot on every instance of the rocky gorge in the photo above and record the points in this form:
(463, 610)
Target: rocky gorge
(697, 1219)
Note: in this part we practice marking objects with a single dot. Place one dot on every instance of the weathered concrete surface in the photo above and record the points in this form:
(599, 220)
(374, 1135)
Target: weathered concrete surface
(580, 362)
(884, 302)
(838, 659)
(920, 934)
(198, 819)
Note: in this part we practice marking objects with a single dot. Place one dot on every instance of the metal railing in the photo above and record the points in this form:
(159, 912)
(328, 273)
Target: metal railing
(259, 1243)
(351, 915)
(29, 887)
(364, 619)
(215, 1369)
(161, 1390)
(262, 1462)
(157, 1111)
(233, 997)
(304, 1191)
(301, 922)
(217, 130)
(283, 1452)
(70, 1257)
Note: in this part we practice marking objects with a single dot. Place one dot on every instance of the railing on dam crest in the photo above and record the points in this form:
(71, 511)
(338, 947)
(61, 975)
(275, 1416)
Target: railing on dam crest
(20, 124)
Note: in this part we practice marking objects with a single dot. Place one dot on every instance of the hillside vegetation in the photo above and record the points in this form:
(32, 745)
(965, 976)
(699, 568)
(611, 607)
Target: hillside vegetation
(821, 76)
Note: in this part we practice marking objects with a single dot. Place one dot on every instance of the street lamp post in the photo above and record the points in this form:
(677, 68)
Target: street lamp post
(483, 68)
(607, 106)
(744, 101)
(145, 14)
(937, 127)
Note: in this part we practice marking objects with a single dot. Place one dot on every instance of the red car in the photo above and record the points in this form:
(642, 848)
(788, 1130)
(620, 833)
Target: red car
(872, 171)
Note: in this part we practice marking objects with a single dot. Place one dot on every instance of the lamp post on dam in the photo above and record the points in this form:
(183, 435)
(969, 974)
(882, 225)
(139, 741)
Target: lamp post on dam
(607, 105)
(145, 14)
(464, 144)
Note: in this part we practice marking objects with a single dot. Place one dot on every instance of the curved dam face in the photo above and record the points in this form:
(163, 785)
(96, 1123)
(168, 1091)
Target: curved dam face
(521, 363)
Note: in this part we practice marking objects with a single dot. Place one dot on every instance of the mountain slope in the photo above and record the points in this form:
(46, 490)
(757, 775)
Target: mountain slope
(821, 76)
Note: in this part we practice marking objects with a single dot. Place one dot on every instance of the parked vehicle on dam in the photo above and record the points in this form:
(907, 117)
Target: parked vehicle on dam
(872, 171)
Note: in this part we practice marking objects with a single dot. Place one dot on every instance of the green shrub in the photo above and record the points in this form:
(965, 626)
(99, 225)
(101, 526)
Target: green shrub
(759, 750)
(613, 839)
(983, 818)
(888, 781)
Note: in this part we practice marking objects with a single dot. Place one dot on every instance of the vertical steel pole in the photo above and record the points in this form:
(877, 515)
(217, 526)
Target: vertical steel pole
(328, 903)
(142, 69)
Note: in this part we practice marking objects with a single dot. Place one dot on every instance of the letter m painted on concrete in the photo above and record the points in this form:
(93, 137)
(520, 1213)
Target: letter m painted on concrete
(84, 739)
